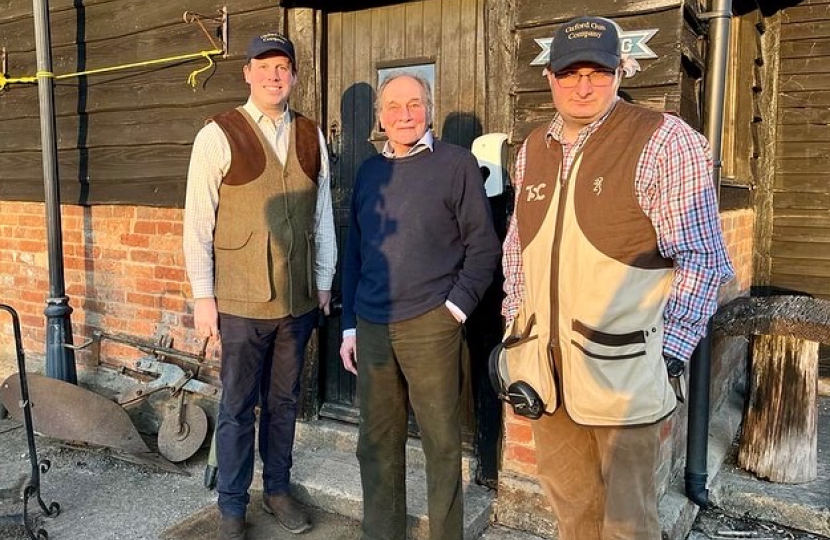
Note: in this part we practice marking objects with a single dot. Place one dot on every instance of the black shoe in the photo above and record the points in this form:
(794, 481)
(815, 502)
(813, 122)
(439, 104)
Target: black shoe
(289, 514)
(231, 528)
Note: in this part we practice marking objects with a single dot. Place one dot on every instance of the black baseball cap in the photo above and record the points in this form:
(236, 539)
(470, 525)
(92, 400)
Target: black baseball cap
(585, 39)
(271, 42)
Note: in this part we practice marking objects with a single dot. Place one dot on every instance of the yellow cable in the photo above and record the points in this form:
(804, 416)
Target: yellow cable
(191, 79)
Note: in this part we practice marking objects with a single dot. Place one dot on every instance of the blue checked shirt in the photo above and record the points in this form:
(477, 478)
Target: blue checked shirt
(675, 190)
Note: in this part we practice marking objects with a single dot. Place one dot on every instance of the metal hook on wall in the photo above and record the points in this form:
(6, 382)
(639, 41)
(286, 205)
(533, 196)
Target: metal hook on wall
(4, 67)
(221, 27)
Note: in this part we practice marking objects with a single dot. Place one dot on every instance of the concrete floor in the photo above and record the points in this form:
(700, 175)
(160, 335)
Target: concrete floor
(103, 498)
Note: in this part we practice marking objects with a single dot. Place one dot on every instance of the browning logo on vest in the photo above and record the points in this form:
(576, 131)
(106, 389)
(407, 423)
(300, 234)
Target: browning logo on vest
(598, 185)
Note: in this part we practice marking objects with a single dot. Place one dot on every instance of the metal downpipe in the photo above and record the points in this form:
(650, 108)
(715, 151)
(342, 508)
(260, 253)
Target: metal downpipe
(60, 360)
(697, 443)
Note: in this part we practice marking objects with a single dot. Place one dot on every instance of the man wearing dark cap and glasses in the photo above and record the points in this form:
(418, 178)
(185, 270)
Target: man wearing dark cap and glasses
(260, 253)
(615, 253)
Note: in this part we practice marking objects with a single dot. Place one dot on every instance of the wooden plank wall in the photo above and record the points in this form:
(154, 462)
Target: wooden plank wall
(743, 113)
(663, 83)
(449, 33)
(801, 199)
(123, 137)
(431, 30)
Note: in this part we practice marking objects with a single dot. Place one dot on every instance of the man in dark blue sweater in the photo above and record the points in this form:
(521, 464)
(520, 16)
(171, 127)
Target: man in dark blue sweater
(421, 252)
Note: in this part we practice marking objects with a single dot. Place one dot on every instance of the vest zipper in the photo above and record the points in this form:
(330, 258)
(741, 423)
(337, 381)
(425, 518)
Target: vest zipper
(556, 348)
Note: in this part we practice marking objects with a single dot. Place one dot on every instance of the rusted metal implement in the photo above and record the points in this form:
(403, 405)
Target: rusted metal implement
(185, 427)
(77, 415)
(32, 489)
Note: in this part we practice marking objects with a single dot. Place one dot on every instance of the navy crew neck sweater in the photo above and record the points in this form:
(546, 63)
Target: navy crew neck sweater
(420, 233)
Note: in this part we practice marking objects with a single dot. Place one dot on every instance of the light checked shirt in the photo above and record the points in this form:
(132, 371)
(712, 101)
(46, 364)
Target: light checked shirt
(209, 162)
(675, 190)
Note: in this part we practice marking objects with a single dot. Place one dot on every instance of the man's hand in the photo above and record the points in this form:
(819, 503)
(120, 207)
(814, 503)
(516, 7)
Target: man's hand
(324, 302)
(348, 353)
(206, 317)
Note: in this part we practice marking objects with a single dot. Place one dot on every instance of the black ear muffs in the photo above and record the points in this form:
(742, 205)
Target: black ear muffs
(521, 396)
(493, 363)
(525, 401)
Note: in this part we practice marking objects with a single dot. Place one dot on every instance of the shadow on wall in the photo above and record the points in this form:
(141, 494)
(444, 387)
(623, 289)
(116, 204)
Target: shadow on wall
(461, 128)
(484, 326)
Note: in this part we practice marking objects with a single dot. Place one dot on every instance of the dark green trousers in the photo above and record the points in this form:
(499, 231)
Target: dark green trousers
(418, 362)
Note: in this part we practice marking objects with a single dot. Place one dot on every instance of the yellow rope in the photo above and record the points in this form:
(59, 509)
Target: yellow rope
(191, 79)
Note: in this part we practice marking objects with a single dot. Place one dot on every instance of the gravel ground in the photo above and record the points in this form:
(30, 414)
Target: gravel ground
(715, 525)
(101, 497)
(104, 498)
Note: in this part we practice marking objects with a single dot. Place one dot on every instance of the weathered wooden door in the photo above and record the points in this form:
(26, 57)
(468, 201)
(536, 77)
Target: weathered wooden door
(444, 40)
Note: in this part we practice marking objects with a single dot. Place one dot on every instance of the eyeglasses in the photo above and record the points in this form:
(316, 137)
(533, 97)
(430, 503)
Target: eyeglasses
(598, 77)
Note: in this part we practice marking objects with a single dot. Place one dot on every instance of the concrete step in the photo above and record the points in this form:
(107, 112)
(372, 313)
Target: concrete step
(342, 437)
(326, 474)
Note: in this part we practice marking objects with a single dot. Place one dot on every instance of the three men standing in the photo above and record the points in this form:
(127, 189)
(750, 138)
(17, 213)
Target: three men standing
(615, 251)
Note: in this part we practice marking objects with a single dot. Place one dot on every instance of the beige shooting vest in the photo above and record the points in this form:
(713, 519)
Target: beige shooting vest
(594, 278)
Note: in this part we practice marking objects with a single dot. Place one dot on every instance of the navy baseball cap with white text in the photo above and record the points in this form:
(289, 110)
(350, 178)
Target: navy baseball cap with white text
(585, 39)
(271, 42)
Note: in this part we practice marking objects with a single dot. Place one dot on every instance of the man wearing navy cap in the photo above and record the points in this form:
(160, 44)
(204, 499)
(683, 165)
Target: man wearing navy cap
(615, 252)
(260, 253)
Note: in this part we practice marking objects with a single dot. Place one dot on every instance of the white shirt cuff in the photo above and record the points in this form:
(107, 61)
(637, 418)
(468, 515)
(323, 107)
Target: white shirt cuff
(456, 312)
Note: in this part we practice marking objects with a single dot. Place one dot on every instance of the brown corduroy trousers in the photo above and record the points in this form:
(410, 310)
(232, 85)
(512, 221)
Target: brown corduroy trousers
(600, 481)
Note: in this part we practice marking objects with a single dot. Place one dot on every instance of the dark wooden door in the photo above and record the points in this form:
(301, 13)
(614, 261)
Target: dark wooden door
(445, 39)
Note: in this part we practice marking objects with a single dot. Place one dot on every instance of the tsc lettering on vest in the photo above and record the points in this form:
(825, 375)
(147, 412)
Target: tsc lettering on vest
(594, 277)
(264, 235)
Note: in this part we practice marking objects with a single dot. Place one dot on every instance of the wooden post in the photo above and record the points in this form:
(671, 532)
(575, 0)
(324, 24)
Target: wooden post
(779, 437)
(779, 440)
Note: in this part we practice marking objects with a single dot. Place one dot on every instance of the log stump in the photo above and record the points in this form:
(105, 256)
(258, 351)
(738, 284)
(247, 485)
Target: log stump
(779, 440)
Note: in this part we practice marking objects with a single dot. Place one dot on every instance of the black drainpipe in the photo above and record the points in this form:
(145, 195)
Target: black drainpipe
(701, 365)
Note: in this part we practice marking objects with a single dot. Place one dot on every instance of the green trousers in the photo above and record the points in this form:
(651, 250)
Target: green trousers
(416, 361)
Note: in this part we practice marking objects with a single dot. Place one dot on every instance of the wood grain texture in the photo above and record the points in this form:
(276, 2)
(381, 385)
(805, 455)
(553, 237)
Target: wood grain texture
(531, 13)
(779, 439)
(123, 136)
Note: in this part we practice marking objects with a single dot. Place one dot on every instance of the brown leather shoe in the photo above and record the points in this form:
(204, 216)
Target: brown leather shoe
(289, 514)
(231, 528)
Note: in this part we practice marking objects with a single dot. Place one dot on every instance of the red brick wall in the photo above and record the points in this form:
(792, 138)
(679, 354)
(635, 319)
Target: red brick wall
(124, 273)
(519, 449)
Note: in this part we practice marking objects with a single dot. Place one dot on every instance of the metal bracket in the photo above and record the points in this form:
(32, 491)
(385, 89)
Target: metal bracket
(709, 15)
(87, 342)
(219, 23)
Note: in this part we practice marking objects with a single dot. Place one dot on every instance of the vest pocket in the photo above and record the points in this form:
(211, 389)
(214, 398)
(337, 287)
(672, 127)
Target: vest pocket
(527, 357)
(610, 377)
(241, 267)
(607, 346)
